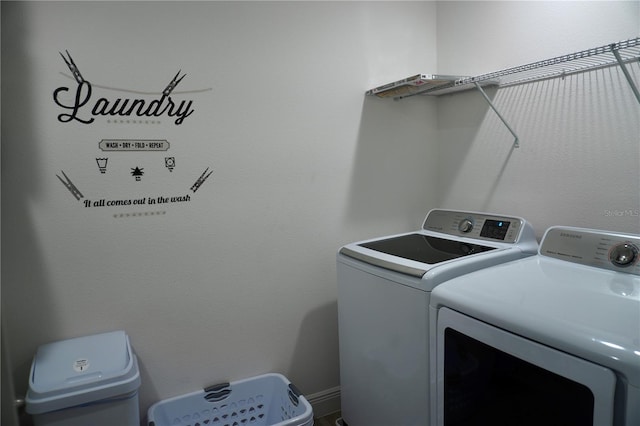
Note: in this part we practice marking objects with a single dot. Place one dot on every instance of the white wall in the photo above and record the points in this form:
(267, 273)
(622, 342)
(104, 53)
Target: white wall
(579, 160)
(240, 280)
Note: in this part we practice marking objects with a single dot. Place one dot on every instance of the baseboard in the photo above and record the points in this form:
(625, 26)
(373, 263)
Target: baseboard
(325, 402)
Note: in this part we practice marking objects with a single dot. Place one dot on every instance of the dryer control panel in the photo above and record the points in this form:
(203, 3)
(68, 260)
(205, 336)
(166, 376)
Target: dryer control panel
(608, 250)
(481, 226)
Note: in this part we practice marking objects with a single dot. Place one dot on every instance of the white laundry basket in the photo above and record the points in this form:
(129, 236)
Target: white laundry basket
(90, 380)
(266, 400)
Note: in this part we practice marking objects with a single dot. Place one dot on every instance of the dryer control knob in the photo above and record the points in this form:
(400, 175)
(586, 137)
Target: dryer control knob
(465, 225)
(623, 255)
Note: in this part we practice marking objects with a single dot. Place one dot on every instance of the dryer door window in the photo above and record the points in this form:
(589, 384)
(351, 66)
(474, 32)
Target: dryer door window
(485, 386)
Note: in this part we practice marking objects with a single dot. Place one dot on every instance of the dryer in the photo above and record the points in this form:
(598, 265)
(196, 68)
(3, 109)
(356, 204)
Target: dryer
(550, 339)
(384, 287)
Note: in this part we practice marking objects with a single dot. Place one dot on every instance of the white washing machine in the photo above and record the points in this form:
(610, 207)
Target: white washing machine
(384, 286)
(552, 339)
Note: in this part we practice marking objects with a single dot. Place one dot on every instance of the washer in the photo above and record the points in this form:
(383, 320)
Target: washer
(550, 339)
(384, 286)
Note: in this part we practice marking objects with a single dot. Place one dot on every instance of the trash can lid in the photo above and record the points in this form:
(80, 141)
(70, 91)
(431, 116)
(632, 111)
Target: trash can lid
(81, 370)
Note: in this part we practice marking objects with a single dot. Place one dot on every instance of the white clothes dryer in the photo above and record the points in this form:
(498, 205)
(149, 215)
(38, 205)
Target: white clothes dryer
(384, 286)
(552, 339)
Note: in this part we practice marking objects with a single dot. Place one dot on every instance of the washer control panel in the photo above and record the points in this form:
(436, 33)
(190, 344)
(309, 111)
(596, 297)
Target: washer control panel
(602, 249)
(481, 226)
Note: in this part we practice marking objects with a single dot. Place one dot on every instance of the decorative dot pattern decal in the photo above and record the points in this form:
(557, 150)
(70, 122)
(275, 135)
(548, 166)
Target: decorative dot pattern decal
(139, 214)
(129, 121)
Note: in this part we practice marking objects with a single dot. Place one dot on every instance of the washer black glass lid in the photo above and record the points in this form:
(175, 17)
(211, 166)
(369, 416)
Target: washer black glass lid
(425, 248)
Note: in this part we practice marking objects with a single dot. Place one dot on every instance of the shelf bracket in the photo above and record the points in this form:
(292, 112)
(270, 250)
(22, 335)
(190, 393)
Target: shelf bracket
(625, 71)
(516, 143)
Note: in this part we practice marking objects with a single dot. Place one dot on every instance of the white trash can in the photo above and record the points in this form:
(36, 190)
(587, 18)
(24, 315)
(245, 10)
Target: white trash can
(86, 381)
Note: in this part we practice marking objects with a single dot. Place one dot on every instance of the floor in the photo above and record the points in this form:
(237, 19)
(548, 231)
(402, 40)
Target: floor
(328, 420)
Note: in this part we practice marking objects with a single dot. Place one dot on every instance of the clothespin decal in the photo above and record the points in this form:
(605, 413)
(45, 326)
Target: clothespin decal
(70, 186)
(72, 67)
(201, 180)
(172, 84)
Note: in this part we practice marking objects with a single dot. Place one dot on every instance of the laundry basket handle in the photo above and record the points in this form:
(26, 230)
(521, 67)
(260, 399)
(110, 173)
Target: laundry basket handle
(216, 393)
(294, 393)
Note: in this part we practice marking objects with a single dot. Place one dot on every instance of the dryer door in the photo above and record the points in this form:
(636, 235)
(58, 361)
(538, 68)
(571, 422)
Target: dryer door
(487, 376)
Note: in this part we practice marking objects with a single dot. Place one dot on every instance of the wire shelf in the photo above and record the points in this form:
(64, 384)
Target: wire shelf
(621, 53)
(587, 60)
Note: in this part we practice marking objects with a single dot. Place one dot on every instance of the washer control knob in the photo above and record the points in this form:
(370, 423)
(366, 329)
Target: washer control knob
(465, 225)
(623, 255)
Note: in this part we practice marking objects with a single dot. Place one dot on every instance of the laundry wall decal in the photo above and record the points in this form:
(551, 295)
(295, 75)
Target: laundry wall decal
(80, 107)
(146, 161)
